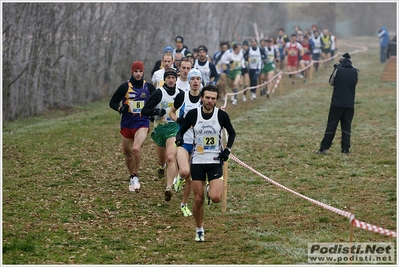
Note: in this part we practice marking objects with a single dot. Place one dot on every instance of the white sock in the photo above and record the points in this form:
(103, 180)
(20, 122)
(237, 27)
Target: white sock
(182, 205)
(200, 229)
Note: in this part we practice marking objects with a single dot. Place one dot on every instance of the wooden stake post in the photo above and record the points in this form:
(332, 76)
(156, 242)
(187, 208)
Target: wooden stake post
(224, 197)
(225, 177)
(352, 209)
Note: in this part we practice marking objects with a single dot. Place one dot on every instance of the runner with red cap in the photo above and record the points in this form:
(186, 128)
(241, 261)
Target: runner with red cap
(133, 94)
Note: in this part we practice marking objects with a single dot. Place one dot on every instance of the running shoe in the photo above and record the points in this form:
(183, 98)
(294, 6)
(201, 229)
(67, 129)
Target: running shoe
(168, 194)
(253, 96)
(199, 237)
(244, 98)
(134, 184)
(234, 102)
(161, 171)
(179, 183)
(186, 211)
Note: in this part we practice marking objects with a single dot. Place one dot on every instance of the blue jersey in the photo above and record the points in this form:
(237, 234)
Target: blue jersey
(135, 98)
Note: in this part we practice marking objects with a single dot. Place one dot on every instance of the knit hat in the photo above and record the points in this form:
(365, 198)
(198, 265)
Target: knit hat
(194, 73)
(179, 39)
(137, 65)
(169, 71)
(346, 55)
(167, 48)
(203, 47)
(245, 42)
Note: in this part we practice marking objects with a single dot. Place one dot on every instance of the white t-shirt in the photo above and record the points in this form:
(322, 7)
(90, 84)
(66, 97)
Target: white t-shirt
(238, 60)
(185, 86)
(223, 61)
(157, 78)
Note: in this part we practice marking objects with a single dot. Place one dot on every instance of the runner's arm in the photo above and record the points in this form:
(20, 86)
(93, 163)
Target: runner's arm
(189, 121)
(214, 73)
(149, 107)
(118, 96)
(176, 105)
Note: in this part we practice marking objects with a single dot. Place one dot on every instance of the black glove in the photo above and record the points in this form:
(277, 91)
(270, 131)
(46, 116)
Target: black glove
(180, 121)
(124, 109)
(224, 155)
(179, 142)
(160, 112)
(152, 119)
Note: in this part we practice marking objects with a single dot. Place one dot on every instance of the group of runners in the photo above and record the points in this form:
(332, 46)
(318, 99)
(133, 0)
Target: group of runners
(181, 102)
(187, 132)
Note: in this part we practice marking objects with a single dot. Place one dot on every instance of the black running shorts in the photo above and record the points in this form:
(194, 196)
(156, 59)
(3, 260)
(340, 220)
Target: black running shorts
(200, 171)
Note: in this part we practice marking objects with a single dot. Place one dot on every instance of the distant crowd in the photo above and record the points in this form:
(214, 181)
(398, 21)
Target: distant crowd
(253, 62)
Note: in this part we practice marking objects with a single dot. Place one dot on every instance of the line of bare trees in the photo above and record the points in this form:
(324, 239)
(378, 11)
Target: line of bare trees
(57, 55)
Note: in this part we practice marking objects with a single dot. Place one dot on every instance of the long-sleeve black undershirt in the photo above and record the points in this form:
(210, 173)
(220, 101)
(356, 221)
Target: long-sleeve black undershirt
(122, 90)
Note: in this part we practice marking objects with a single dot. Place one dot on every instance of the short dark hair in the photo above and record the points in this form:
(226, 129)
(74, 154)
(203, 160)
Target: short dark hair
(211, 88)
(186, 59)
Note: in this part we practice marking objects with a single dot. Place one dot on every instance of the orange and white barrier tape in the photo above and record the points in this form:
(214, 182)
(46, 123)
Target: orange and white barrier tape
(347, 214)
(373, 228)
(357, 223)
(277, 82)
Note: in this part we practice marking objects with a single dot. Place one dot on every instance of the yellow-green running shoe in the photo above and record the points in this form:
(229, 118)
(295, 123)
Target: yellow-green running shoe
(186, 211)
(179, 183)
(199, 237)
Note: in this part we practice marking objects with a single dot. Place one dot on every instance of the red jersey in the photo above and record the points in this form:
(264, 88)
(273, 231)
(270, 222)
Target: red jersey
(306, 50)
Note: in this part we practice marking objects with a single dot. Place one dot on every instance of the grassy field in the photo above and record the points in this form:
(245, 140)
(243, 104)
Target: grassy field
(66, 199)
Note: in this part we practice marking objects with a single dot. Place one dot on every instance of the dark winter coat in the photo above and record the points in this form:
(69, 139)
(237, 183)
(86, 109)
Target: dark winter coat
(344, 79)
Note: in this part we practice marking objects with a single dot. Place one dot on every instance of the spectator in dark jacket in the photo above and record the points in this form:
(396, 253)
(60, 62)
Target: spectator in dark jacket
(344, 79)
(384, 42)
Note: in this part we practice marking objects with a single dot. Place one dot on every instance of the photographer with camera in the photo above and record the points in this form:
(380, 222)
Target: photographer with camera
(344, 79)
